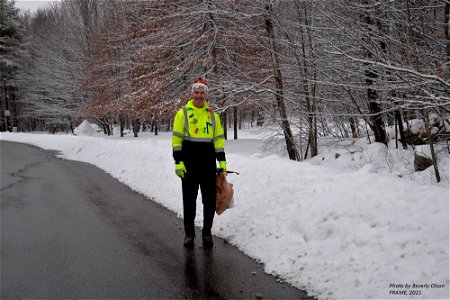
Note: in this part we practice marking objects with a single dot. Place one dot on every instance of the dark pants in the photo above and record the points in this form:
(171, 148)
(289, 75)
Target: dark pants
(206, 180)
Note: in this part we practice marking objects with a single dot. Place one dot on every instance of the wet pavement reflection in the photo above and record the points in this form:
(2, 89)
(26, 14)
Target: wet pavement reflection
(224, 273)
(200, 276)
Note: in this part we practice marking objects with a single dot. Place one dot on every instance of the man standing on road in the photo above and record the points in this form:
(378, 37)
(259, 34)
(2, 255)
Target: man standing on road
(197, 142)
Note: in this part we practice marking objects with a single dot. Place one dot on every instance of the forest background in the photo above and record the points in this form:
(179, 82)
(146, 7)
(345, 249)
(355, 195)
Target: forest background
(303, 69)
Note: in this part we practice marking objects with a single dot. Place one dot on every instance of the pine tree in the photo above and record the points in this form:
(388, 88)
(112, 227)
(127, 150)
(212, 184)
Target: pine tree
(11, 48)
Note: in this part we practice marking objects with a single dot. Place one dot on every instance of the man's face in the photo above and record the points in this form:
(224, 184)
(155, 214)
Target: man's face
(199, 97)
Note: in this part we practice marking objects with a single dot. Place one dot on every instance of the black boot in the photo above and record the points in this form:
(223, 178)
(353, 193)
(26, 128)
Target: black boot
(189, 241)
(208, 241)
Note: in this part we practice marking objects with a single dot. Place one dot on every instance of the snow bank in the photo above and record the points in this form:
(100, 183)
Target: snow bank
(336, 232)
(85, 129)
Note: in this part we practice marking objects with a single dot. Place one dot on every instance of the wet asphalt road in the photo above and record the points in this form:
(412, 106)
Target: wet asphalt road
(69, 230)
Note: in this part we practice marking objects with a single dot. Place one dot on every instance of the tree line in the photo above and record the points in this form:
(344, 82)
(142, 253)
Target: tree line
(310, 68)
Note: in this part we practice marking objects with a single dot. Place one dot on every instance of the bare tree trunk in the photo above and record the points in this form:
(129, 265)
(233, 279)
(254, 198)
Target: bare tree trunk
(291, 148)
(428, 129)
(310, 102)
(121, 125)
(353, 127)
(136, 125)
(375, 110)
(7, 112)
(104, 128)
(71, 125)
(398, 117)
(372, 94)
(310, 107)
(411, 30)
(14, 111)
(241, 117)
(105, 125)
(3, 126)
(259, 119)
(235, 122)
(307, 150)
(446, 24)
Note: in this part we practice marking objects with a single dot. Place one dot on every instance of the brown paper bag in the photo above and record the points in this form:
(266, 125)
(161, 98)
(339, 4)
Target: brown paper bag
(224, 193)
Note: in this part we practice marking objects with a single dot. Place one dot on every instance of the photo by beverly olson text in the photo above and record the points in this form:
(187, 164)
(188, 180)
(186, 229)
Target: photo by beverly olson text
(417, 290)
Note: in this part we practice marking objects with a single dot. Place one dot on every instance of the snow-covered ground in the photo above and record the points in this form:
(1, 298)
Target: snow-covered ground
(354, 222)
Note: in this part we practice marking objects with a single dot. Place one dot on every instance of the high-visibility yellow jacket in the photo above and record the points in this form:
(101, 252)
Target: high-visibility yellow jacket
(197, 134)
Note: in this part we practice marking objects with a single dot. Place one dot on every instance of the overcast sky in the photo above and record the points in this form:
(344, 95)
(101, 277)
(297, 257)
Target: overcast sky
(31, 5)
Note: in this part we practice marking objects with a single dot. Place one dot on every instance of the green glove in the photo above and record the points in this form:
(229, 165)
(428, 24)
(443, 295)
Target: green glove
(223, 166)
(180, 169)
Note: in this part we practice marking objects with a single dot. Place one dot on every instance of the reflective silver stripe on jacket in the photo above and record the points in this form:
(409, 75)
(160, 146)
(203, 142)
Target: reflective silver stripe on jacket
(218, 137)
(186, 121)
(194, 139)
(175, 133)
(213, 122)
(220, 150)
